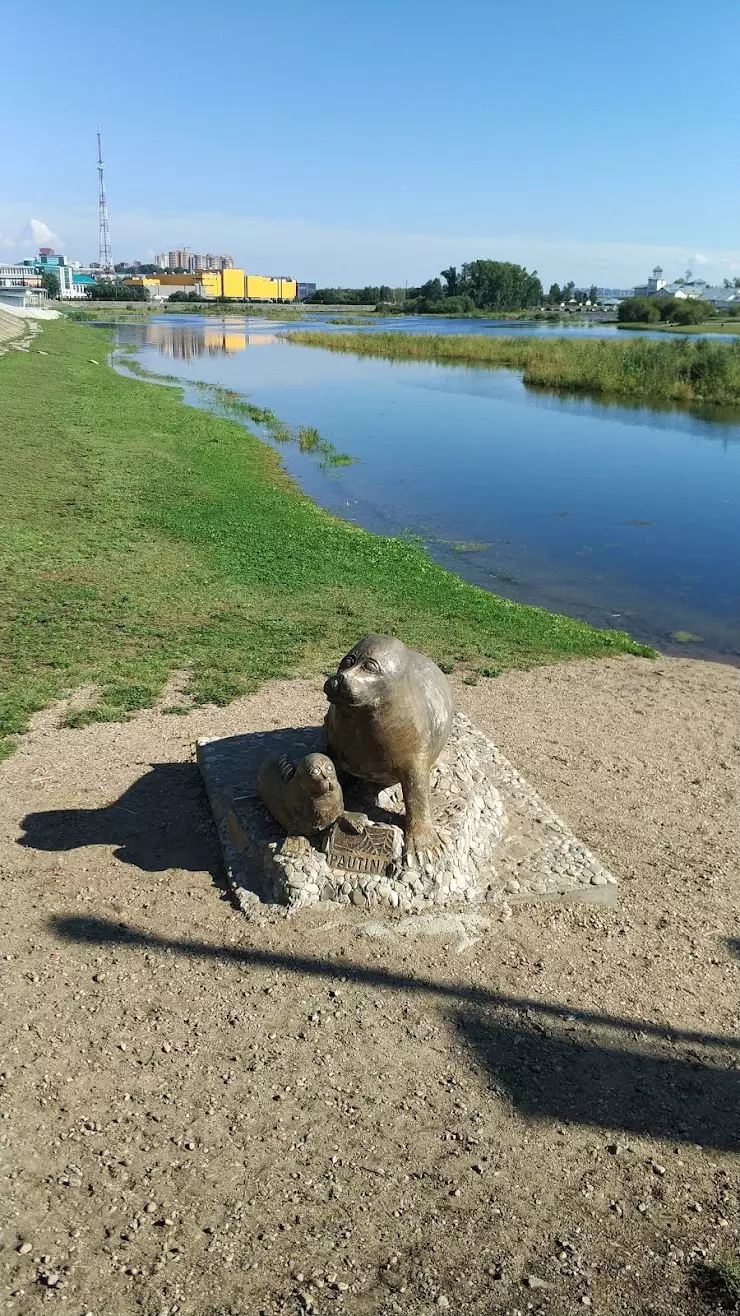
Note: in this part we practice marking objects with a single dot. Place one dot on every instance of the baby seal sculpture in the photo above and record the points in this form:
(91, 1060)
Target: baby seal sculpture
(389, 720)
(303, 797)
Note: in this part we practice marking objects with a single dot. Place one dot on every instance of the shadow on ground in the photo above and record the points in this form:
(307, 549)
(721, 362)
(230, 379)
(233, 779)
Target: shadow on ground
(160, 822)
(569, 1079)
(686, 1088)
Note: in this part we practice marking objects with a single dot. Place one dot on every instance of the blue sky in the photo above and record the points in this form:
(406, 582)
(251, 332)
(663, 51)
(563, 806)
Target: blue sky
(353, 141)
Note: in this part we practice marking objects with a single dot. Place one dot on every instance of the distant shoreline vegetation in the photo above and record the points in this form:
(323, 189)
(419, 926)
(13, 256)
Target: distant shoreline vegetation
(676, 370)
(677, 312)
(478, 286)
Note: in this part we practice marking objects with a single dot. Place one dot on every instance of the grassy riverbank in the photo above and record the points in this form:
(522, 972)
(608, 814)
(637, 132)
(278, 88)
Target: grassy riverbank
(686, 370)
(731, 326)
(139, 536)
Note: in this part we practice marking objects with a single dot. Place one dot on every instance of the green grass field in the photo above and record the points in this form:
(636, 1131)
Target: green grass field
(140, 536)
(685, 370)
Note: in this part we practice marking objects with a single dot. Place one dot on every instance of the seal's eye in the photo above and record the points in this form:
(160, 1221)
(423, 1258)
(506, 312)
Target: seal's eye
(349, 661)
(371, 665)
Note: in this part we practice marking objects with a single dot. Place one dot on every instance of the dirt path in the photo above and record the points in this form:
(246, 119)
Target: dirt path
(209, 1115)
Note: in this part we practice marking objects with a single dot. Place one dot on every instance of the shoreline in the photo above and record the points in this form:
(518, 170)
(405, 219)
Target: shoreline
(180, 542)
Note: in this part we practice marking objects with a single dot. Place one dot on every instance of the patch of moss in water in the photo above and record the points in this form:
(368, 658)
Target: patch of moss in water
(309, 438)
(686, 637)
(463, 546)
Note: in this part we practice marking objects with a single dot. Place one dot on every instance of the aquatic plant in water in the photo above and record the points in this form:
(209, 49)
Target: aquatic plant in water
(675, 369)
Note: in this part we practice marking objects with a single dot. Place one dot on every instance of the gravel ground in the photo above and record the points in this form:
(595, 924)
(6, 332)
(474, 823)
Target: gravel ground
(208, 1114)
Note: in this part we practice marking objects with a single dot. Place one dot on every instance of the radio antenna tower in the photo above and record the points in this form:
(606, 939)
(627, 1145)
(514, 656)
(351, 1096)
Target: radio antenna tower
(104, 252)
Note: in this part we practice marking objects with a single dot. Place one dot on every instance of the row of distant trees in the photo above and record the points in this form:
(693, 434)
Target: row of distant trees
(115, 290)
(569, 293)
(479, 285)
(369, 296)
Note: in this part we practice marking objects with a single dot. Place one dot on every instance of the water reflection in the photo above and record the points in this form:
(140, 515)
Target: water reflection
(617, 513)
(185, 342)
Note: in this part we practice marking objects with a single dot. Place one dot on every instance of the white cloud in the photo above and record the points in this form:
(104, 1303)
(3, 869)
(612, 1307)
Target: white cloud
(39, 234)
(34, 234)
(700, 259)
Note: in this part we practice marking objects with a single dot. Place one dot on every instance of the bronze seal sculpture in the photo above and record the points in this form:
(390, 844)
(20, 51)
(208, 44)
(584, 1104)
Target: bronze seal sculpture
(303, 797)
(389, 720)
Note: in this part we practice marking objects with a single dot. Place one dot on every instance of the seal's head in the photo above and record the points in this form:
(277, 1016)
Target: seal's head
(318, 772)
(365, 673)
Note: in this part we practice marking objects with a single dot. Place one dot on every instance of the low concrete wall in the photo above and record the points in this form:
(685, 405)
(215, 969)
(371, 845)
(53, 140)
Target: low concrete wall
(11, 326)
(30, 312)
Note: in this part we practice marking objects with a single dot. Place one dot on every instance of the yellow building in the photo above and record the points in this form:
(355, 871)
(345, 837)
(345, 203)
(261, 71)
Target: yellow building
(209, 281)
(232, 283)
(258, 288)
(181, 280)
(265, 288)
(141, 282)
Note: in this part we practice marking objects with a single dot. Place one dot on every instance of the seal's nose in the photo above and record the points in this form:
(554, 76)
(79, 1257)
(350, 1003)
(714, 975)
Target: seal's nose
(331, 688)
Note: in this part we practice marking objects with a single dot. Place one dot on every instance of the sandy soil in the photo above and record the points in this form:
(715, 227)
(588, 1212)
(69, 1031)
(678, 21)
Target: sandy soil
(205, 1114)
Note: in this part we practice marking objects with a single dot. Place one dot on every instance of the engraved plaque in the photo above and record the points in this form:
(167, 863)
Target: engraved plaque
(358, 846)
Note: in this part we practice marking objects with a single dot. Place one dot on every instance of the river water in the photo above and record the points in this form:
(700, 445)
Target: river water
(624, 516)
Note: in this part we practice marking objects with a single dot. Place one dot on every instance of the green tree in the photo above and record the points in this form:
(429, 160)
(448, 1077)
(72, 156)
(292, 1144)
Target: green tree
(431, 291)
(500, 285)
(639, 310)
(593, 294)
(115, 290)
(685, 310)
(50, 281)
(569, 291)
(555, 294)
(451, 279)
